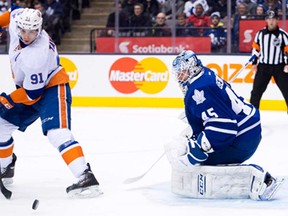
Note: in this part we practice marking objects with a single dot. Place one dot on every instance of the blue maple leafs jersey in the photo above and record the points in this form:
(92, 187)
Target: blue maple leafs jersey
(211, 106)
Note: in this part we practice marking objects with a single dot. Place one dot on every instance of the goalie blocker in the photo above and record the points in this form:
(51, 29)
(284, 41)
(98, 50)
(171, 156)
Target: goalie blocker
(224, 182)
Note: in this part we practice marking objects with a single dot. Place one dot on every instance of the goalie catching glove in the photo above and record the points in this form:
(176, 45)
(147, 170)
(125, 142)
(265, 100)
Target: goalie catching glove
(6, 103)
(187, 152)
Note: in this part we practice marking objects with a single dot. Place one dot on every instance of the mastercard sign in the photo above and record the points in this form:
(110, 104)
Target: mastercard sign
(150, 75)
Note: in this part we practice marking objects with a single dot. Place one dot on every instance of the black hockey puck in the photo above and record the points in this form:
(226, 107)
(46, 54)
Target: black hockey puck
(35, 204)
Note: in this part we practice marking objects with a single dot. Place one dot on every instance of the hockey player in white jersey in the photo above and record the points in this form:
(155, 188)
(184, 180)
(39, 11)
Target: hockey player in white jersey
(42, 91)
(224, 131)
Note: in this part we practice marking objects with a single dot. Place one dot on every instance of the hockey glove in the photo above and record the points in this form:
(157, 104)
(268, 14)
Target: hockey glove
(175, 149)
(195, 153)
(6, 103)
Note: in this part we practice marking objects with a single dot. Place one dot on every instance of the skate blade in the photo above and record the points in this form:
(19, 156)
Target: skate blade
(274, 190)
(7, 181)
(88, 192)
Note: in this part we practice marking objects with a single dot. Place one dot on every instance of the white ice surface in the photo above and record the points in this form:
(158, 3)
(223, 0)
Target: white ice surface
(122, 143)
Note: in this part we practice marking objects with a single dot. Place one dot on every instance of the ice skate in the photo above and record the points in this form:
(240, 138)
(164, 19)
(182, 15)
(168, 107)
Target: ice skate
(8, 174)
(87, 186)
(273, 185)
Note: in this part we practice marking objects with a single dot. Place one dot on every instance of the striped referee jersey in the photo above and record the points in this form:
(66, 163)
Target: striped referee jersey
(272, 46)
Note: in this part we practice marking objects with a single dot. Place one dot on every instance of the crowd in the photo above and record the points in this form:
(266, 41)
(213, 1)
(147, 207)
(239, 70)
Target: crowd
(193, 18)
(57, 15)
(154, 17)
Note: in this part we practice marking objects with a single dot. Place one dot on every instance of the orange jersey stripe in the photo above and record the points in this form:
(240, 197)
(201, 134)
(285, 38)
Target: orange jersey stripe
(6, 152)
(5, 19)
(72, 154)
(63, 106)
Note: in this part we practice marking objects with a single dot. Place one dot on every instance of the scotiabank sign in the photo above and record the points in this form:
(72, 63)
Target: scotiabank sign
(161, 45)
(248, 30)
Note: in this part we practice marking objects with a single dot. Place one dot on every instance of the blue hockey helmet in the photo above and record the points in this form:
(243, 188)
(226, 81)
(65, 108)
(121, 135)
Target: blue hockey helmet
(185, 66)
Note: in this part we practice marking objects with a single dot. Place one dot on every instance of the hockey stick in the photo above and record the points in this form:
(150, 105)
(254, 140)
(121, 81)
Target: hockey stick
(7, 193)
(136, 178)
(244, 66)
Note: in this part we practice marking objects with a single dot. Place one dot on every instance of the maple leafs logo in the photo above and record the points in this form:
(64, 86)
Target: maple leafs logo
(198, 96)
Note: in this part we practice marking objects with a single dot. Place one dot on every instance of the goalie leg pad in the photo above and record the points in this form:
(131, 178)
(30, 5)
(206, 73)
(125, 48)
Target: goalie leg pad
(219, 182)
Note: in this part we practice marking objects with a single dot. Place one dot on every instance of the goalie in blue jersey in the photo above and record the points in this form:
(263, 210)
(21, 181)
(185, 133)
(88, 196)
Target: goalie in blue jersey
(225, 131)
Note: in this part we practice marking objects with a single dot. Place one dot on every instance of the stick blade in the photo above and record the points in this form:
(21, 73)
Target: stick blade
(132, 180)
(7, 193)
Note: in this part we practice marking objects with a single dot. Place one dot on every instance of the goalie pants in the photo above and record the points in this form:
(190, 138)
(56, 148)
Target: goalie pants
(239, 151)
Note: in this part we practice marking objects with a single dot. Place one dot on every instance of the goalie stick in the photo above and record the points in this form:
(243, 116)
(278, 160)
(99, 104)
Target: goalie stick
(244, 66)
(7, 193)
(136, 178)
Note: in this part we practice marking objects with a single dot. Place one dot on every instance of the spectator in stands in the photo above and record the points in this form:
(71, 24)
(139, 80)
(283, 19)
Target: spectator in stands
(68, 7)
(54, 7)
(251, 5)
(3, 6)
(166, 7)
(190, 6)
(199, 19)
(47, 23)
(151, 7)
(221, 6)
(217, 33)
(241, 13)
(280, 12)
(139, 23)
(85, 3)
(259, 12)
(55, 14)
(128, 6)
(160, 28)
(271, 5)
(76, 8)
(123, 21)
(183, 28)
(3, 33)
(23, 3)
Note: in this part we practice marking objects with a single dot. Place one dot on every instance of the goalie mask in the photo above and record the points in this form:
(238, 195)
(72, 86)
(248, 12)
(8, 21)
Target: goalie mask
(186, 66)
(29, 20)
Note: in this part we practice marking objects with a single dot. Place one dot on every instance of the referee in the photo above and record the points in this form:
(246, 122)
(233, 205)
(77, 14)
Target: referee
(271, 47)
